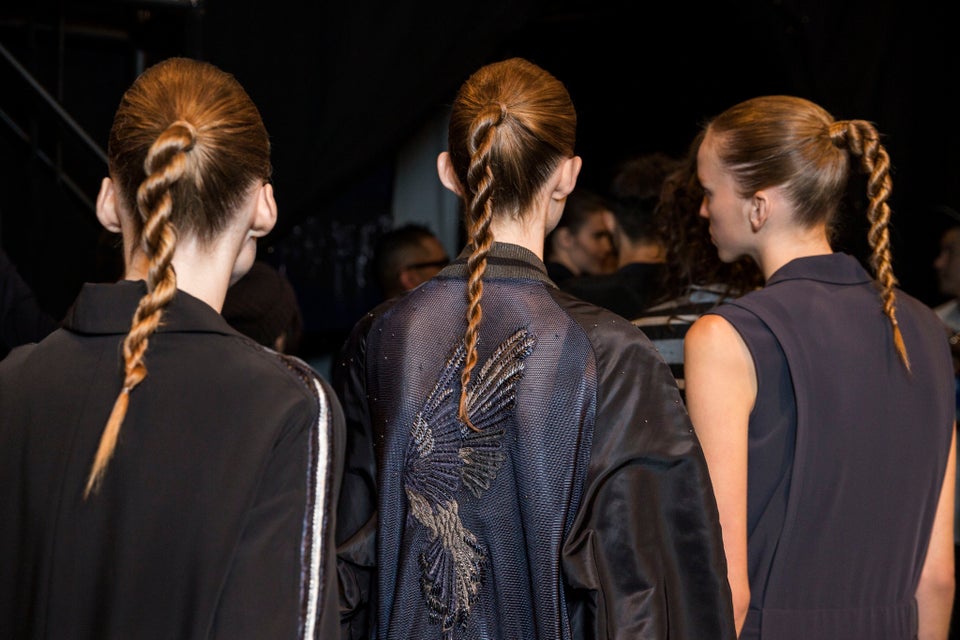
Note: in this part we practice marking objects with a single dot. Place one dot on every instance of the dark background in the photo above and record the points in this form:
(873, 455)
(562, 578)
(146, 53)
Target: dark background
(343, 86)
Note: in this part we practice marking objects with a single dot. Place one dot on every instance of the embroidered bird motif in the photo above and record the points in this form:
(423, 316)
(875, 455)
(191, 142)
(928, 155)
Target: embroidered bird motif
(444, 455)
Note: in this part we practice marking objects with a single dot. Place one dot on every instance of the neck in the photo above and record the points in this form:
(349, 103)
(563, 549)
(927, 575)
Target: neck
(775, 255)
(203, 272)
(525, 232)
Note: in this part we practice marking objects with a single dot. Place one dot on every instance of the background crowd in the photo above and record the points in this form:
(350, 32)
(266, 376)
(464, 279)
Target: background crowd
(696, 385)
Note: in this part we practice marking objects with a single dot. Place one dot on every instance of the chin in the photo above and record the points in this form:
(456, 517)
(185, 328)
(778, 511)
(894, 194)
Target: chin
(726, 257)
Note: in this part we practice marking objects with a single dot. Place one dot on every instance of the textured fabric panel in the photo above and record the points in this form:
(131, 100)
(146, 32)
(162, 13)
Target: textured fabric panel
(541, 440)
(582, 506)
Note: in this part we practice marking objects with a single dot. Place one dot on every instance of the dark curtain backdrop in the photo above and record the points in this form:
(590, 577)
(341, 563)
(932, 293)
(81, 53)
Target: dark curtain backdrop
(342, 86)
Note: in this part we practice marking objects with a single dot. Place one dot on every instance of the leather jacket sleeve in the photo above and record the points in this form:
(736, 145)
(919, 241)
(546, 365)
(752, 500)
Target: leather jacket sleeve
(644, 558)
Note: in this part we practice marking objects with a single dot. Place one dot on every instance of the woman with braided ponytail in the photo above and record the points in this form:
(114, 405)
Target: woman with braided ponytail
(162, 475)
(537, 476)
(824, 400)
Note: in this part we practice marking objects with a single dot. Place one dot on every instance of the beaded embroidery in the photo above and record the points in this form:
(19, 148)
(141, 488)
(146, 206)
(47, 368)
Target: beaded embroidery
(443, 456)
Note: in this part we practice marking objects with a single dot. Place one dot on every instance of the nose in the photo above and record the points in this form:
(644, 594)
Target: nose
(703, 208)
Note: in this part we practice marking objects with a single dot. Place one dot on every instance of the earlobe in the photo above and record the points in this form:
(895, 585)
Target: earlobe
(107, 212)
(265, 213)
(569, 170)
(448, 177)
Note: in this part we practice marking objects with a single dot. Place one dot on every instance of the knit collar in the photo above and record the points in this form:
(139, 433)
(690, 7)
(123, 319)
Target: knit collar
(504, 260)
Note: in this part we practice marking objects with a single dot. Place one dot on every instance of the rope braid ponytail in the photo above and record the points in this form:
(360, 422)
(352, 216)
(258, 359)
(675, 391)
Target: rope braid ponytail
(862, 139)
(165, 164)
(480, 182)
(511, 124)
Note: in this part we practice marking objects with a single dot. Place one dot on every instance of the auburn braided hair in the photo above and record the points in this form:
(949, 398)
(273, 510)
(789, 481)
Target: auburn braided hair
(165, 165)
(510, 126)
(793, 142)
(862, 139)
(186, 146)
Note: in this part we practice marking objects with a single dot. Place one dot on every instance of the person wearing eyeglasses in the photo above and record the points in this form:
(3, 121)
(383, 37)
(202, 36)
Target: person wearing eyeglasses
(405, 257)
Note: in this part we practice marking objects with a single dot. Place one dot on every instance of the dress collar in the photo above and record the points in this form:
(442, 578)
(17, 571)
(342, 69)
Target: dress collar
(835, 268)
(107, 308)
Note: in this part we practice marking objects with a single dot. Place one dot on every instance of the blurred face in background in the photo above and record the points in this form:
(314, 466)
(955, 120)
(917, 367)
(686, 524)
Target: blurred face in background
(589, 249)
(947, 263)
(611, 263)
(423, 263)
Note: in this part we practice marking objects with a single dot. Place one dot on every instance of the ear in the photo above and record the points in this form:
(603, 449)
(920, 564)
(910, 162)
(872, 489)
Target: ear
(759, 210)
(568, 170)
(448, 177)
(265, 212)
(107, 212)
(408, 279)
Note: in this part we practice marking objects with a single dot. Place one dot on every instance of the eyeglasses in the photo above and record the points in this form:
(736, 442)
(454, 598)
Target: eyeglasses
(433, 264)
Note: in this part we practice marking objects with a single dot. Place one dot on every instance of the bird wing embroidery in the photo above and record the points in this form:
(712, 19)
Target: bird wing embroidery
(443, 455)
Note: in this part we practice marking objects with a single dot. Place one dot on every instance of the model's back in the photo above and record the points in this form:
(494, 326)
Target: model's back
(534, 465)
(161, 474)
(823, 400)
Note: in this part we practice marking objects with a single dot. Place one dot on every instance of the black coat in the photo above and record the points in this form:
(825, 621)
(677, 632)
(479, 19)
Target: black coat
(215, 516)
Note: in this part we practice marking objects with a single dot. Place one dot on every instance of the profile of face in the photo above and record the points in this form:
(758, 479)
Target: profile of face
(589, 249)
(947, 263)
(610, 221)
(722, 205)
(424, 262)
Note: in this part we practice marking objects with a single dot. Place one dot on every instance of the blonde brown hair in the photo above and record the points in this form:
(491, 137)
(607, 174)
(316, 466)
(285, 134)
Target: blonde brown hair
(186, 146)
(511, 124)
(793, 143)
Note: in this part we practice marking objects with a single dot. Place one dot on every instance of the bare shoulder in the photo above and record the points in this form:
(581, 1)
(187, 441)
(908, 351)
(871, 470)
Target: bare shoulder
(716, 359)
(712, 332)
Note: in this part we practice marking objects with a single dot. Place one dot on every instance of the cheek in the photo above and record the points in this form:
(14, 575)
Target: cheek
(722, 227)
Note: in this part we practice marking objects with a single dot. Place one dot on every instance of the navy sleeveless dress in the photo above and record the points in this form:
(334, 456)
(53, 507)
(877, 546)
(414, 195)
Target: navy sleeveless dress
(847, 453)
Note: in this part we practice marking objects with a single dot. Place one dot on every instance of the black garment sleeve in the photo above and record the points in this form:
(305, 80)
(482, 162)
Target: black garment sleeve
(21, 318)
(644, 558)
(294, 502)
(357, 511)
